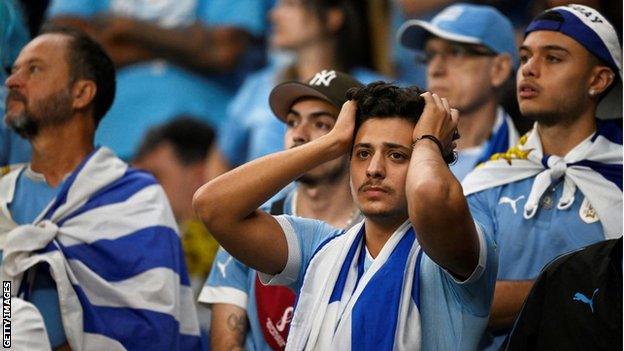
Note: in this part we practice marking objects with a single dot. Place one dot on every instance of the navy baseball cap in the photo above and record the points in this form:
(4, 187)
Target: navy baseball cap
(328, 85)
(464, 23)
(593, 31)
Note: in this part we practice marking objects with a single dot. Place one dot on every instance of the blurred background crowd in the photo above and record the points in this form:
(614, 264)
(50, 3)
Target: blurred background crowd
(215, 61)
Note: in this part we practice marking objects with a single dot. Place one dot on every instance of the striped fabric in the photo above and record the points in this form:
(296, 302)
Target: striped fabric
(113, 249)
(343, 307)
(504, 135)
(594, 166)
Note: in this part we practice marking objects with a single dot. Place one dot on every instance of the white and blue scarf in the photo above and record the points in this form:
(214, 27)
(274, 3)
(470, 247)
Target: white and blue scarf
(113, 250)
(594, 166)
(341, 307)
(504, 135)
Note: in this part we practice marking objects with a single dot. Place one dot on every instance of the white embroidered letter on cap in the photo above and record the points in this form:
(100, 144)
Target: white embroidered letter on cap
(323, 77)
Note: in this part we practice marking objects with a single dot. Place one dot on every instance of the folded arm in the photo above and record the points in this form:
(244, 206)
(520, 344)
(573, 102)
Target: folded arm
(437, 207)
(196, 47)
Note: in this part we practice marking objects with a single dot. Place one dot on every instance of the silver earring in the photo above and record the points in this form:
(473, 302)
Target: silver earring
(592, 92)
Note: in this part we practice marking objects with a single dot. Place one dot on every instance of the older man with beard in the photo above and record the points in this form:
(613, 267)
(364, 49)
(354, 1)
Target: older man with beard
(72, 218)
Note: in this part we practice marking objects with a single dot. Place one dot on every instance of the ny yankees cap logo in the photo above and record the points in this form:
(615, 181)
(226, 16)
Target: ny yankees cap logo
(328, 85)
(323, 77)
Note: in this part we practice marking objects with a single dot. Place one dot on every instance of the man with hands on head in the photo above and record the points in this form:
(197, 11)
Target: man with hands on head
(245, 312)
(417, 257)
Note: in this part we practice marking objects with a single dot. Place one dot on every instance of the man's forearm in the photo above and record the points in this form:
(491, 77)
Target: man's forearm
(439, 211)
(509, 297)
(195, 47)
(228, 204)
(77, 22)
(228, 327)
(238, 193)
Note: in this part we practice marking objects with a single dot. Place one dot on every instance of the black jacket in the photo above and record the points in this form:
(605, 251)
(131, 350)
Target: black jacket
(575, 304)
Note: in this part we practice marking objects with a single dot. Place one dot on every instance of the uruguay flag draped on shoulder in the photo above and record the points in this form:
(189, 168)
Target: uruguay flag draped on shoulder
(112, 246)
(594, 166)
(341, 307)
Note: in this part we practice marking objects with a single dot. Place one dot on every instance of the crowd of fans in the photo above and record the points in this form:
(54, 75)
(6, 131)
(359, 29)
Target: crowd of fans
(311, 174)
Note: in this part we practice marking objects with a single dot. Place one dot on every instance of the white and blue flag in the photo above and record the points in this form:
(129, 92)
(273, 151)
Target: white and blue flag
(594, 167)
(341, 306)
(113, 250)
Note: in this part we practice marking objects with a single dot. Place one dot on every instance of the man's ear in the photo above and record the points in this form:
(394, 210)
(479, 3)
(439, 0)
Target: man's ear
(335, 19)
(83, 93)
(600, 79)
(500, 70)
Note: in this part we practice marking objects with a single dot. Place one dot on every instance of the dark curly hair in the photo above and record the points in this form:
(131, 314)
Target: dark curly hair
(385, 100)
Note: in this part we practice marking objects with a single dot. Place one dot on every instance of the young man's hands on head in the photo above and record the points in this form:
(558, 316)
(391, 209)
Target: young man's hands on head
(439, 120)
(342, 133)
(437, 207)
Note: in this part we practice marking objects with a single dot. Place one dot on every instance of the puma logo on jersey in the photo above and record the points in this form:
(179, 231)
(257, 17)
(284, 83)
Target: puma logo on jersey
(223, 266)
(584, 299)
(511, 202)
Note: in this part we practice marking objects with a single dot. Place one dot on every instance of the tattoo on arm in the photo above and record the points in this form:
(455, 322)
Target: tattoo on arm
(237, 323)
(229, 327)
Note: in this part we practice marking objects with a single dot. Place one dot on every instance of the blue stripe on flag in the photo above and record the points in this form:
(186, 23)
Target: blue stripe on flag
(62, 195)
(375, 314)
(344, 270)
(132, 254)
(321, 245)
(611, 172)
(609, 129)
(499, 142)
(575, 28)
(120, 190)
(545, 161)
(135, 329)
(416, 281)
